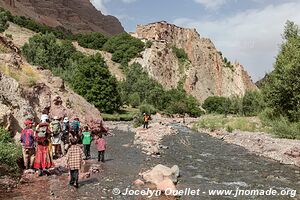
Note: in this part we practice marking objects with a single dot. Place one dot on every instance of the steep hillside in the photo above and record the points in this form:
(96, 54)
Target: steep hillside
(77, 16)
(21, 35)
(26, 89)
(204, 74)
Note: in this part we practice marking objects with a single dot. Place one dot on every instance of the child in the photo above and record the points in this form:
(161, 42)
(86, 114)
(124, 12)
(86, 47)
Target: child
(101, 146)
(86, 141)
(74, 162)
(27, 140)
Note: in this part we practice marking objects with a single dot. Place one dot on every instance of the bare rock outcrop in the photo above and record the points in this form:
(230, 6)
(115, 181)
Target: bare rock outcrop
(74, 15)
(206, 72)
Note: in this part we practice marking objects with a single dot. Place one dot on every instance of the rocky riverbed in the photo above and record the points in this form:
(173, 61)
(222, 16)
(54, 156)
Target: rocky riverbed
(203, 162)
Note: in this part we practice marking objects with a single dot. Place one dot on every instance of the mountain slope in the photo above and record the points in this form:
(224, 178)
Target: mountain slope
(26, 89)
(75, 15)
(206, 73)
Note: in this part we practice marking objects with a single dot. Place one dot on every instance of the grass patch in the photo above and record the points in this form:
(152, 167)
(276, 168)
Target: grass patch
(26, 76)
(4, 49)
(230, 123)
(126, 114)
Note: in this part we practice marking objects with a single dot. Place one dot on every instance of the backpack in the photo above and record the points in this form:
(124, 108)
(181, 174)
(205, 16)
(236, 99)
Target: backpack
(66, 127)
(42, 131)
(27, 138)
(75, 126)
(56, 128)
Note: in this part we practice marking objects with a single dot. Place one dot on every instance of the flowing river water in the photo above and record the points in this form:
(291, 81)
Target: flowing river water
(205, 163)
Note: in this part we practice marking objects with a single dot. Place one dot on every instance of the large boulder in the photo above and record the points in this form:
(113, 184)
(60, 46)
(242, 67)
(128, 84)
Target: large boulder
(163, 177)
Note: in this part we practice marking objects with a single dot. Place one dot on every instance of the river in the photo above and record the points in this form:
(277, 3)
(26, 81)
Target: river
(206, 164)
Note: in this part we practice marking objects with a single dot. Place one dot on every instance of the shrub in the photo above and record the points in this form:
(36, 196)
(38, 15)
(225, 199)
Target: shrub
(216, 104)
(124, 47)
(285, 129)
(134, 99)
(229, 129)
(147, 108)
(148, 44)
(253, 103)
(45, 51)
(3, 20)
(9, 152)
(92, 40)
(9, 36)
(180, 53)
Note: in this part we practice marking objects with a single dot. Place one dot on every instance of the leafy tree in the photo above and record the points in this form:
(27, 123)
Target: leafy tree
(92, 40)
(253, 103)
(3, 20)
(44, 50)
(134, 99)
(124, 47)
(215, 104)
(282, 87)
(94, 82)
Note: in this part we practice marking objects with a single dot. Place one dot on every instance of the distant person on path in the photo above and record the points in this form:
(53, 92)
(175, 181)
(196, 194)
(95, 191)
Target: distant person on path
(43, 159)
(86, 141)
(27, 141)
(56, 133)
(65, 138)
(146, 120)
(74, 162)
(101, 147)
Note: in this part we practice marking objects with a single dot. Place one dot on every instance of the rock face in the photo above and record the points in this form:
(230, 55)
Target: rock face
(204, 74)
(74, 15)
(26, 90)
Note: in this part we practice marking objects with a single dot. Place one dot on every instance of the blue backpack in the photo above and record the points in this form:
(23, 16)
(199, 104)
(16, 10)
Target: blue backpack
(75, 126)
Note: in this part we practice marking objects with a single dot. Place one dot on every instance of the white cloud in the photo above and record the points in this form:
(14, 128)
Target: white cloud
(211, 4)
(251, 37)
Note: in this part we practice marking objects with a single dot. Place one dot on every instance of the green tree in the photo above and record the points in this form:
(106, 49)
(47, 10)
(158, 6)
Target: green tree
(282, 87)
(253, 103)
(93, 81)
(124, 47)
(215, 104)
(135, 100)
(46, 51)
(3, 20)
(92, 40)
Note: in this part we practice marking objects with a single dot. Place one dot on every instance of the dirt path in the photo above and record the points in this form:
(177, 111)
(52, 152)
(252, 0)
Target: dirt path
(122, 166)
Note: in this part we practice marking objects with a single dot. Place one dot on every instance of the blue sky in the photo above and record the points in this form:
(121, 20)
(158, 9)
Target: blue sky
(248, 31)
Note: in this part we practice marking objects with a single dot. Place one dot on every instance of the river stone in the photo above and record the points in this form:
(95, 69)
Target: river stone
(166, 184)
(160, 173)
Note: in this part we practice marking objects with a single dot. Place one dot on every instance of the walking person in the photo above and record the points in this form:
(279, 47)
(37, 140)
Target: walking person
(74, 162)
(101, 147)
(27, 141)
(56, 133)
(65, 138)
(43, 159)
(146, 120)
(75, 127)
(86, 141)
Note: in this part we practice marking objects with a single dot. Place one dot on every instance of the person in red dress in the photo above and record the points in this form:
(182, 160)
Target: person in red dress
(42, 158)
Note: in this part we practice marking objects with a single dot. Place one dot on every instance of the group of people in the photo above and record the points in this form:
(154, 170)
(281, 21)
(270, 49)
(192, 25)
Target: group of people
(53, 139)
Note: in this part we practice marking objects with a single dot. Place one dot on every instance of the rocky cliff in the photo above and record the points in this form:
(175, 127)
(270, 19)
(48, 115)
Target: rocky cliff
(204, 74)
(74, 15)
(25, 89)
